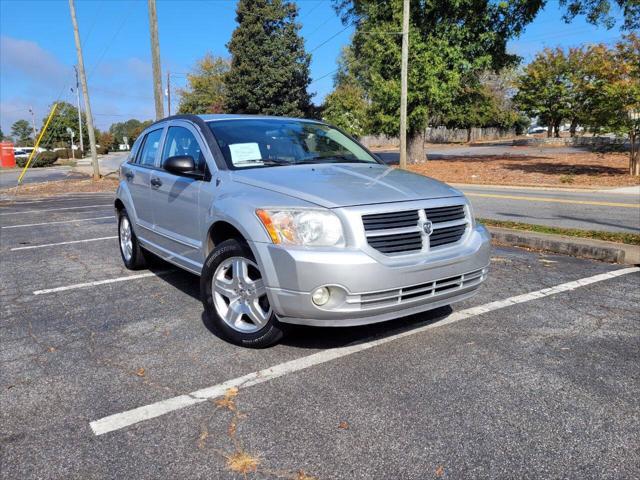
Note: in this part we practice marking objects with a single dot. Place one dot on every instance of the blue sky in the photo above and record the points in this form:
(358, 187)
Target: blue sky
(37, 51)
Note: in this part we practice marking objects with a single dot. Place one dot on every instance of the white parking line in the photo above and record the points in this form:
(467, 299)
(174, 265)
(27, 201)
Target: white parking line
(57, 222)
(57, 209)
(130, 417)
(126, 278)
(31, 247)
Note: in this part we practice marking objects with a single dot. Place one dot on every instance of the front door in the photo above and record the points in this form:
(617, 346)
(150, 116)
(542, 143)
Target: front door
(176, 199)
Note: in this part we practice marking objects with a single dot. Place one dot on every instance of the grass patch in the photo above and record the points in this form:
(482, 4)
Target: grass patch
(618, 237)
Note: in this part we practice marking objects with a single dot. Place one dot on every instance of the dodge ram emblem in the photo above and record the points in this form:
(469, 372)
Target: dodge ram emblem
(427, 226)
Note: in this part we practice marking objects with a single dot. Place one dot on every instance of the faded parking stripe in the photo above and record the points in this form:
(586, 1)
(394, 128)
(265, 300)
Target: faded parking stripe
(31, 247)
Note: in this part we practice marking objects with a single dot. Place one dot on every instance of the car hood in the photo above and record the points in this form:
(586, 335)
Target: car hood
(342, 185)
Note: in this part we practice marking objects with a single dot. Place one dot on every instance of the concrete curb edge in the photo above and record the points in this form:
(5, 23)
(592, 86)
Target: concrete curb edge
(577, 247)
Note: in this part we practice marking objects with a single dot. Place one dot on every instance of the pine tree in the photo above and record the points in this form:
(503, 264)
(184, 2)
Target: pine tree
(269, 66)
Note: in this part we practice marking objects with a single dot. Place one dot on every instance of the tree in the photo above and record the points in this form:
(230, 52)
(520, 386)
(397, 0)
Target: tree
(450, 42)
(1, 135)
(65, 116)
(545, 88)
(129, 129)
(206, 90)
(347, 108)
(22, 133)
(598, 12)
(269, 71)
(613, 89)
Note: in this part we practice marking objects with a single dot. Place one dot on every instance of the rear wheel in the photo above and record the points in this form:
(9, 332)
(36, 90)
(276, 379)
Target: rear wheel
(235, 297)
(130, 249)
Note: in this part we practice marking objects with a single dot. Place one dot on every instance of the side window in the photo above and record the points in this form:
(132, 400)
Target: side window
(180, 141)
(134, 150)
(150, 147)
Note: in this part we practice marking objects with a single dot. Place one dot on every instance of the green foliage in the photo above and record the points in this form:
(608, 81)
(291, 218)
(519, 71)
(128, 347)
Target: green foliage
(346, 108)
(451, 44)
(22, 132)
(598, 12)
(130, 129)
(206, 90)
(65, 116)
(545, 88)
(1, 135)
(42, 159)
(269, 71)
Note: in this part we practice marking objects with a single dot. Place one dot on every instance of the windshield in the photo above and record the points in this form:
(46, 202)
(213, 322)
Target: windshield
(251, 143)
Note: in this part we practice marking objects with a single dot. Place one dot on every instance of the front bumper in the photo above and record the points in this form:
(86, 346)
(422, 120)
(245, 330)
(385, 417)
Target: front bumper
(367, 290)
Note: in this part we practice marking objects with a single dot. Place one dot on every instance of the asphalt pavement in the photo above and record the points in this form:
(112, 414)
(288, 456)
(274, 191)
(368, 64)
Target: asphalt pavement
(587, 210)
(9, 177)
(535, 377)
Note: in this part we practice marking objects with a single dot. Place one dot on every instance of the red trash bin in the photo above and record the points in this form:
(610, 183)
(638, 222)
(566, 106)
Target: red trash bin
(7, 155)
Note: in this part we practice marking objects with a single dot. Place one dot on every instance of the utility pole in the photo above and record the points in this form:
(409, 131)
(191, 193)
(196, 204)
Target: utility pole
(155, 57)
(168, 94)
(33, 123)
(85, 93)
(403, 84)
(79, 110)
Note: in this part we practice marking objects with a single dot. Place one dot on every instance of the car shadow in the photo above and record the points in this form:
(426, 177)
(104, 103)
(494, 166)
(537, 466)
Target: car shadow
(299, 336)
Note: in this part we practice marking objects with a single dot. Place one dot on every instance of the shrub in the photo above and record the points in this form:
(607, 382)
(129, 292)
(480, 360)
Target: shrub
(63, 153)
(103, 150)
(42, 159)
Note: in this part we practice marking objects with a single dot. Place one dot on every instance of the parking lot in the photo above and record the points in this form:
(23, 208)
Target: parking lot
(108, 373)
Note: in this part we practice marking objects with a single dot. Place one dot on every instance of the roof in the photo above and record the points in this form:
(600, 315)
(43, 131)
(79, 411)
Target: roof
(229, 116)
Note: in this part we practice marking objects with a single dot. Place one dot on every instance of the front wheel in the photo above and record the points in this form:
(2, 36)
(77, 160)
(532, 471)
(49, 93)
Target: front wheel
(235, 297)
(130, 249)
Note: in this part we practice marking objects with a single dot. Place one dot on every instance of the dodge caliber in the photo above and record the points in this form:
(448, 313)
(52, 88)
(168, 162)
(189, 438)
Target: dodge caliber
(291, 221)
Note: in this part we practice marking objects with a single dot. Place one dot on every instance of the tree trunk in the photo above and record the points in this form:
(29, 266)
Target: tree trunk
(469, 135)
(634, 155)
(556, 128)
(416, 152)
(573, 127)
(550, 130)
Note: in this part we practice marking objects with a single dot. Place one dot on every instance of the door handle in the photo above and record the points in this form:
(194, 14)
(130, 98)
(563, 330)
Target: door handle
(156, 182)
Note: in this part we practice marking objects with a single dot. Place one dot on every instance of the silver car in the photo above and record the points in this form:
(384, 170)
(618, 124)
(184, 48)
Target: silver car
(290, 221)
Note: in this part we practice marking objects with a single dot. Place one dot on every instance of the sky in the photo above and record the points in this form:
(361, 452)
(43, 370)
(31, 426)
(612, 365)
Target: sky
(37, 50)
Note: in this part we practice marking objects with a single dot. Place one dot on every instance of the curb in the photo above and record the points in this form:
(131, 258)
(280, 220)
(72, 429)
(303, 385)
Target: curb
(611, 252)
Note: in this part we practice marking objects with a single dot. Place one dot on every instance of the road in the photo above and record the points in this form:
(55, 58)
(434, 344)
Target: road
(9, 178)
(587, 210)
(116, 374)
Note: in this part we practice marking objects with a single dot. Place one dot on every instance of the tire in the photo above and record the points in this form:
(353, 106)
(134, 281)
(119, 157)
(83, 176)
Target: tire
(238, 308)
(130, 250)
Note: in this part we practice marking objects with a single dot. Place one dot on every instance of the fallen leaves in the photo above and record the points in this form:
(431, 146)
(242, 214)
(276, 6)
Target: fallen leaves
(343, 425)
(242, 462)
(203, 438)
(228, 401)
(439, 471)
(140, 372)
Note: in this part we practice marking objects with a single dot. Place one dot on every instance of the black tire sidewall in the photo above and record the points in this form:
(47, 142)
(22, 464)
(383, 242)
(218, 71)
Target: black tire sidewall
(270, 334)
(137, 259)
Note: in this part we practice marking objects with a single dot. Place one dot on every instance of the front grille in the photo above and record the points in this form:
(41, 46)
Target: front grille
(421, 291)
(403, 242)
(444, 236)
(384, 221)
(445, 214)
(395, 233)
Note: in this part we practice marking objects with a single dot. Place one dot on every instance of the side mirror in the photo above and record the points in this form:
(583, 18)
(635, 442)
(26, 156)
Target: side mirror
(181, 165)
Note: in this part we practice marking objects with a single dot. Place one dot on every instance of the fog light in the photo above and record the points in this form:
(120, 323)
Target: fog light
(320, 295)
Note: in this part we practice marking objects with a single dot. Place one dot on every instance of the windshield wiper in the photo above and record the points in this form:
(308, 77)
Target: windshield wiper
(260, 162)
(333, 159)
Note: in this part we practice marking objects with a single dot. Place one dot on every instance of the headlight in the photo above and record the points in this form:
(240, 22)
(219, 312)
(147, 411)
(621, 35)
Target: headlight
(317, 228)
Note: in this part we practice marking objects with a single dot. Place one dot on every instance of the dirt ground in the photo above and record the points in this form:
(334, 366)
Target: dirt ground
(580, 169)
(106, 184)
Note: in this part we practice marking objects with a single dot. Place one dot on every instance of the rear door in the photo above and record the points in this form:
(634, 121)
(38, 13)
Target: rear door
(138, 176)
(177, 198)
